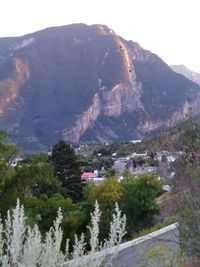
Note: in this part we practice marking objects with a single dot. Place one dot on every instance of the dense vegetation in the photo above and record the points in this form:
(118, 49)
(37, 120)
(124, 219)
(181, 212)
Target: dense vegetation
(44, 183)
(22, 245)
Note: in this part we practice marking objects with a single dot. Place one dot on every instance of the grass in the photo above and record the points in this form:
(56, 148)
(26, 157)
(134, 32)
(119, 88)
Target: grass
(146, 231)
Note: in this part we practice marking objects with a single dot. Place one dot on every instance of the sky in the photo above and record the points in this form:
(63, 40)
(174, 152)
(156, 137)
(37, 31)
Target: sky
(169, 28)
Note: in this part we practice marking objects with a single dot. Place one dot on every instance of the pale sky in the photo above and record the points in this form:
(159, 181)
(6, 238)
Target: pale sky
(169, 28)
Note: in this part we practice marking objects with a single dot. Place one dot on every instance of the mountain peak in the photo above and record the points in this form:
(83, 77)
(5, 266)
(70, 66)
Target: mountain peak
(85, 83)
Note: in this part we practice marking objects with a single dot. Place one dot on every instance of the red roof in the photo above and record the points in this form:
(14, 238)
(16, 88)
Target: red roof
(88, 174)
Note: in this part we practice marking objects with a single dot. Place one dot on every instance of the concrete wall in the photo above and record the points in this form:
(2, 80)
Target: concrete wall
(156, 249)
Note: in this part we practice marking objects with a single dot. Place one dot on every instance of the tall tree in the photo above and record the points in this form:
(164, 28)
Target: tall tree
(107, 193)
(7, 153)
(32, 177)
(138, 201)
(35, 176)
(187, 190)
(67, 169)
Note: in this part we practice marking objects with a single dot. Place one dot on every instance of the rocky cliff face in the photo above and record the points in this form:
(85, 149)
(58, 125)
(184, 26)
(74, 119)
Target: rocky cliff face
(10, 86)
(85, 83)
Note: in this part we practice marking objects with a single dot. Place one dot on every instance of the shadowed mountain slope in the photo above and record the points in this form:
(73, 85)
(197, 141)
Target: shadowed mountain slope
(191, 75)
(85, 83)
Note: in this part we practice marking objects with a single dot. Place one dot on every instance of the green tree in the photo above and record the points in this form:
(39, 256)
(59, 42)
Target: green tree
(67, 169)
(42, 210)
(7, 150)
(36, 177)
(107, 193)
(7, 153)
(32, 177)
(138, 201)
(126, 174)
(110, 173)
(34, 183)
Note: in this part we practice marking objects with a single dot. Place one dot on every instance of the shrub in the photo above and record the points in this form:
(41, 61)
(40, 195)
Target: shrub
(21, 245)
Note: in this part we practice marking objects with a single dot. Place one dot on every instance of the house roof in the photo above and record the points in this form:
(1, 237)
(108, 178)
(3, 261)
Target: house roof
(88, 174)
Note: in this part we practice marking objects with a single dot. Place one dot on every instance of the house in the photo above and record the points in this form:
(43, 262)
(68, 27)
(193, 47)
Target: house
(88, 175)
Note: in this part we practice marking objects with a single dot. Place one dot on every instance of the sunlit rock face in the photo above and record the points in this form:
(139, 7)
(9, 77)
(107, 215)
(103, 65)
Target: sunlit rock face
(10, 86)
(85, 83)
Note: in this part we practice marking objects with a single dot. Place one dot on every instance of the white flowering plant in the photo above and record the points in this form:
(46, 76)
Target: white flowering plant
(21, 245)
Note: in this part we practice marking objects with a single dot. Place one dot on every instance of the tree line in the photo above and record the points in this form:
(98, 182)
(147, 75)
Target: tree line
(44, 183)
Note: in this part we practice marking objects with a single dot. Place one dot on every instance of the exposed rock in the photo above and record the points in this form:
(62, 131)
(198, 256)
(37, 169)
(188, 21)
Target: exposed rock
(83, 121)
(9, 87)
(85, 83)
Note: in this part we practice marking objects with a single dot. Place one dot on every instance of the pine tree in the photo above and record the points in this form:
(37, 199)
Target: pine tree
(67, 169)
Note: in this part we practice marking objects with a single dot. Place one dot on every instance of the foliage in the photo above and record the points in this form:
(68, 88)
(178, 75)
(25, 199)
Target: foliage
(163, 255)
(102, 162)
(152, 162)
(21, 245)
(138, 201)
(43, 210)
(104, 151)
(110, 173)
(36, 177)
(94, 228)
(188, 202)
(67, 169)
(107, 193)
(190, 137)
(41, 193)
(167, 221)
(117, 228)
(186, 189)
(33, 177)
(7, 152)
(126, 174)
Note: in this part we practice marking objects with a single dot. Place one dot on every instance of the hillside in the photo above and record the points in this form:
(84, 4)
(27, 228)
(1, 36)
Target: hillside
(191, 75)
(85, 83)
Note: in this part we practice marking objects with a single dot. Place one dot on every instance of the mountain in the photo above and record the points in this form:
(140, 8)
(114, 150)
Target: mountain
(191, 75)
(85, 83)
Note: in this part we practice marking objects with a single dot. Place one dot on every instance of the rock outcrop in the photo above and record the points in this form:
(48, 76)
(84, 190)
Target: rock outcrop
(85, 83)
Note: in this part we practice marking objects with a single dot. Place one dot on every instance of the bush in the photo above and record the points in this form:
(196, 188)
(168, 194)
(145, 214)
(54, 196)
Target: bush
(21, 245)
(138, 201)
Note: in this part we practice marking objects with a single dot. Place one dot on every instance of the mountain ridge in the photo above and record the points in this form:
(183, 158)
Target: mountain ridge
(85, 83)
(189, 74)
